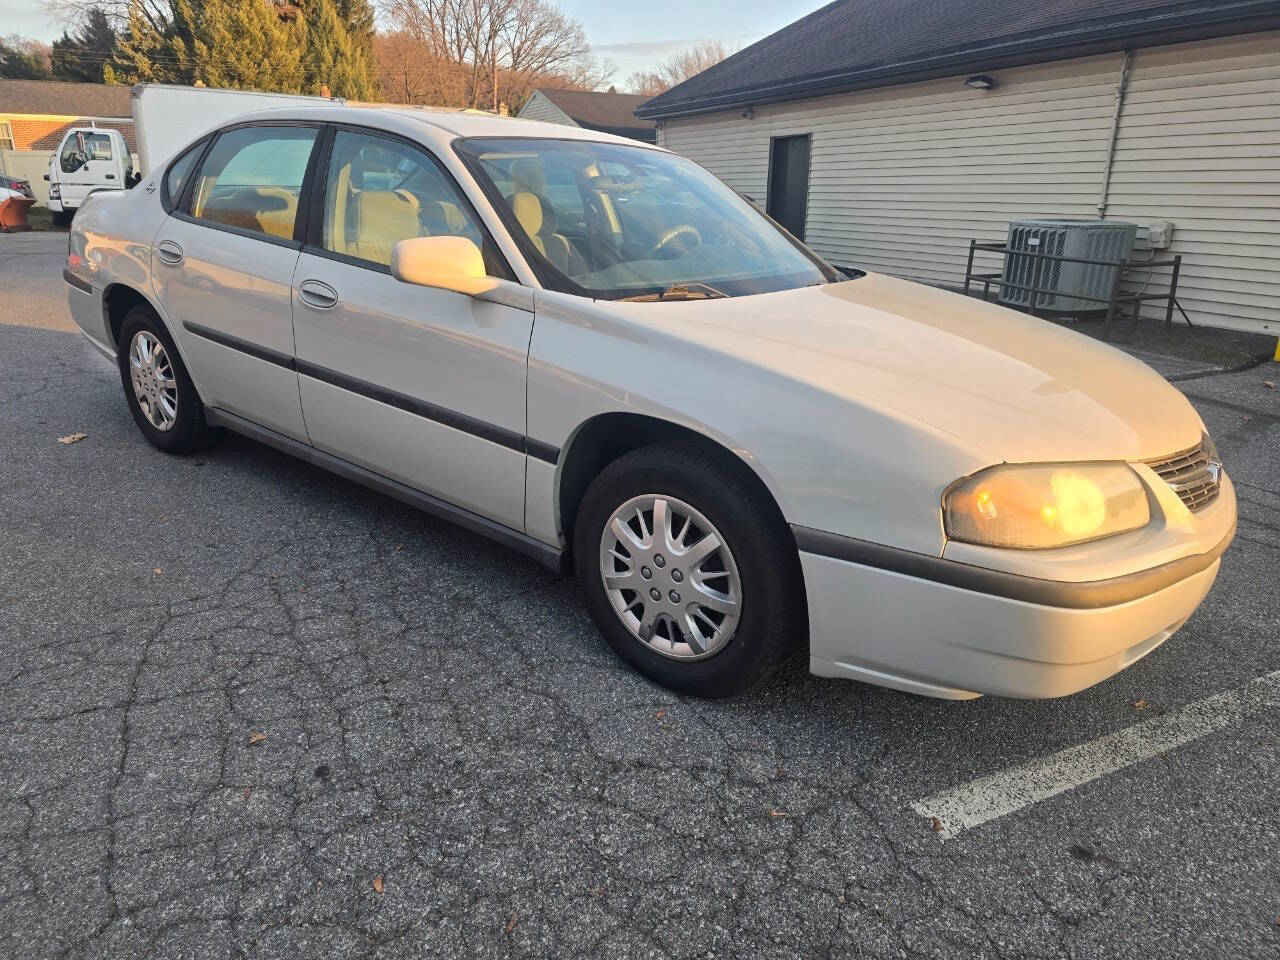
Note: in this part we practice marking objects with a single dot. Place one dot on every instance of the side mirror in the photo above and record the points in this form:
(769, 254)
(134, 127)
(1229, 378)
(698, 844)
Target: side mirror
(447, 263)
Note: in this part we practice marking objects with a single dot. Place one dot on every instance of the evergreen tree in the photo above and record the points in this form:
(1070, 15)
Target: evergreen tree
(245, 45)
(357, 15)
(332, 58)
(82, 56)
(147, 53)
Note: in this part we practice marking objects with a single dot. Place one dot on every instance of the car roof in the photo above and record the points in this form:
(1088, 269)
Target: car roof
(458, 123)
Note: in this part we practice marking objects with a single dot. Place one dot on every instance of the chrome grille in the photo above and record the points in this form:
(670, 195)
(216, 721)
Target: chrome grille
(1192, 474)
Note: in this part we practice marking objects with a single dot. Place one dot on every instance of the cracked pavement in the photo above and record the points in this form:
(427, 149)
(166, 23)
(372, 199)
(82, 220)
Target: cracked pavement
(439, 713)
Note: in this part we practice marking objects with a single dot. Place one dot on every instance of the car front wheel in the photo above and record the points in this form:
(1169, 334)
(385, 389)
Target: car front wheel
(688, 570)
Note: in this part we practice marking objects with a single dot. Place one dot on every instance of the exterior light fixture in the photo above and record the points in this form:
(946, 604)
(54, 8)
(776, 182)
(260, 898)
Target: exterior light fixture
(748, 114)
(981, 82)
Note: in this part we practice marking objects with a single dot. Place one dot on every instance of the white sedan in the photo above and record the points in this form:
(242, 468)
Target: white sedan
(594, 352)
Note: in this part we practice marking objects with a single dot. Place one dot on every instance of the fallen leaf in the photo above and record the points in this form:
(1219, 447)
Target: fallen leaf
(660, 714)
(247, 792)
(935, 825)
(597, 891)
(511, 924)
(72, 438)
(1245, 417)
(377, 884)
(775, 812)
(1269, 384)
(157, 570)
(1140, 704)
(257, 737)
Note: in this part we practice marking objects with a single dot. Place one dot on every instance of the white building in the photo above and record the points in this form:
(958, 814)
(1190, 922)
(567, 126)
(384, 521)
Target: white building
(866, 129)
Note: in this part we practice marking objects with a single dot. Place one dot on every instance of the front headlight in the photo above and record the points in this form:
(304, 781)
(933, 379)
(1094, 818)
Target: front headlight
(1036, 506)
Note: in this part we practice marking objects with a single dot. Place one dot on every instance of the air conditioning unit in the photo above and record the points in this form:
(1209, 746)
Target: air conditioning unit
(1065, 283)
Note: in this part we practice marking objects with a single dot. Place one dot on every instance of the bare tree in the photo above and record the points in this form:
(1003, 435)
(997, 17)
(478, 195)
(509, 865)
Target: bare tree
(679, 67)
(480, 53)
(76, 12)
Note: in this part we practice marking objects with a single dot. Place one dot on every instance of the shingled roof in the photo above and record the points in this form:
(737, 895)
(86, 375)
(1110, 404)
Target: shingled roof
(59, 99)
(854, 44)
(606, 112)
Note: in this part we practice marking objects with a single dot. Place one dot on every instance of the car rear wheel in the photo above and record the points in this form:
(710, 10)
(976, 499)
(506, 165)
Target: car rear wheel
(688, 570)
(161, 396)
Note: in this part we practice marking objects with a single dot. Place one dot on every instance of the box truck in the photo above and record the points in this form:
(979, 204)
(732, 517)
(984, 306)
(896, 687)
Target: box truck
(166, 118)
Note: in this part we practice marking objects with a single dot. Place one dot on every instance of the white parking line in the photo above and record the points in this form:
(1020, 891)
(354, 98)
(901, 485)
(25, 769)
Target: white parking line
(987, 798)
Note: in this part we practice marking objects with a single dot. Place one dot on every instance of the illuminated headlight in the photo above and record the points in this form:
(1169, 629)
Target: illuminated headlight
(1032, 507)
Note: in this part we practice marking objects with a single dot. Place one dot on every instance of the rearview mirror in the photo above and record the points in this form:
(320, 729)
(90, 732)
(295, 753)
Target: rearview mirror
(447, 263)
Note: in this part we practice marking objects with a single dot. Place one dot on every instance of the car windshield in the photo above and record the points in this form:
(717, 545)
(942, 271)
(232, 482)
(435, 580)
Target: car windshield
(618, 222)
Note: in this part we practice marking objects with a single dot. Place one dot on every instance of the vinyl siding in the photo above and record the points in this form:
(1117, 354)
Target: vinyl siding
(902, 177)
(538, 107)
(1199, 144)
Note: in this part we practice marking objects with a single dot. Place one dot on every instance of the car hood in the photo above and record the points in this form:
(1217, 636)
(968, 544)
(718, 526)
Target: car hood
(1019, 388)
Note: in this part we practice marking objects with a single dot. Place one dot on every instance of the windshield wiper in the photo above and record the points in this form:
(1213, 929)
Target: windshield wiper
(679, 291)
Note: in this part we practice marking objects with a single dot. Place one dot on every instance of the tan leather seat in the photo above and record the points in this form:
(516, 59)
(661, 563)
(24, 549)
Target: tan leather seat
(530, 210)
(380, 220)
(270, 210)
(536, 215)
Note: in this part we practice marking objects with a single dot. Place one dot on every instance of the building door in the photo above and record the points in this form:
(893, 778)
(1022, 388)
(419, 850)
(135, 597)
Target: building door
(789, 182)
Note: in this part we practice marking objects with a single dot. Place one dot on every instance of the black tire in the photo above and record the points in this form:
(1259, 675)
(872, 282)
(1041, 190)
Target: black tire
(190, 432)
(61, 218)
(773, 620)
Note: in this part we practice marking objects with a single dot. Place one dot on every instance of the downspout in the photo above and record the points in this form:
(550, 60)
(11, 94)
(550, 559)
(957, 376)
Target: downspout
(1121, 86)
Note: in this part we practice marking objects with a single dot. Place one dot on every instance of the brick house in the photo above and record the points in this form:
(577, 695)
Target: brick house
(34, 115)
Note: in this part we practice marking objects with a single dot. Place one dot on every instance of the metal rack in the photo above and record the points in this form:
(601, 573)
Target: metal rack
(1117, 302)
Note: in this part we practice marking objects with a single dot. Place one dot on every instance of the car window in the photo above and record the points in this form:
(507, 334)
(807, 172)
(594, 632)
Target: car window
(614, 221)
(380, 191)
(179, 171)
(83, 147)
(252, 179)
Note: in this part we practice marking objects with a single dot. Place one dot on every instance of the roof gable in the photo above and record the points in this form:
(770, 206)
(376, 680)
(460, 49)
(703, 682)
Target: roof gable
(851, 44)
(605, 112)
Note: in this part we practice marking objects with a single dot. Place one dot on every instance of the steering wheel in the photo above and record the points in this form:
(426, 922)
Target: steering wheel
(683, 229)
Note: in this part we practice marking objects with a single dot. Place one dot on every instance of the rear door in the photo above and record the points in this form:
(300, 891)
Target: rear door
(421, 385)
(223, 264)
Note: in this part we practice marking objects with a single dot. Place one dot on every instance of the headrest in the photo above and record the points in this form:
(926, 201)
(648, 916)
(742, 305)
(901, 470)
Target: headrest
(528, 210)
(527, 176)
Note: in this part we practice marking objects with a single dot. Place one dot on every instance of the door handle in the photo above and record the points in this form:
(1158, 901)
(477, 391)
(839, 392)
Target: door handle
(317, 294)
(111, 176)
(169, 252)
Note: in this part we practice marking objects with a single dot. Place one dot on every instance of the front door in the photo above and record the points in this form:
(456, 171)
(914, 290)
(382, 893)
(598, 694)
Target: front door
(788, 201)
(223, 263)
(424, 386)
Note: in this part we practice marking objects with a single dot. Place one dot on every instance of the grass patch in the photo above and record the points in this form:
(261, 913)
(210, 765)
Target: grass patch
(41, 219)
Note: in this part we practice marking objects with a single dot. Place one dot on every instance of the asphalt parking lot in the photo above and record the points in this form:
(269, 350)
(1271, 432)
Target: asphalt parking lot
(248, 709)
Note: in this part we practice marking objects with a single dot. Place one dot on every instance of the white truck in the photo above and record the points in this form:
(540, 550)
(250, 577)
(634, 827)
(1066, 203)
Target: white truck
(165, 118)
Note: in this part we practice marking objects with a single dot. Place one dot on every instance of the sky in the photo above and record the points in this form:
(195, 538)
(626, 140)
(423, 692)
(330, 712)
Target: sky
(614, 30)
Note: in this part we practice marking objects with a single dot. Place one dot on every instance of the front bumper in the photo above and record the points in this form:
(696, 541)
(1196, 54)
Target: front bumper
(898, 624)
